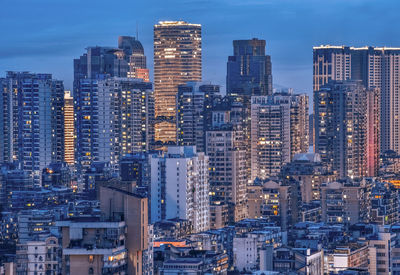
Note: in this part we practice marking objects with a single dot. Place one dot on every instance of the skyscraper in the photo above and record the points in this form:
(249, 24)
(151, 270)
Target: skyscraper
(114, 118)
(227, 162)
(331, 63)
(100, 61)
(177, 60)
(134, 55)
(249, 73)
(249, 69)
(179, 186)
(114, 111)
(346, 133)
(69, 129)
(32, 123)
(279, 130)
(270, 136)
(376, 67)
(194, 103)
(299, 123)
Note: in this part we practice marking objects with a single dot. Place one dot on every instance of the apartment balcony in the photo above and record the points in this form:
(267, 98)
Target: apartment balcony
(93, 251)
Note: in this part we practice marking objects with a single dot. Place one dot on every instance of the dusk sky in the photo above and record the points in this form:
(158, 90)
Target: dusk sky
(45, 35)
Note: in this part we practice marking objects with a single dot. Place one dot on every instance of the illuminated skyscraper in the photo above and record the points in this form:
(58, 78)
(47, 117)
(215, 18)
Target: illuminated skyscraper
(279, 130)
(32, 123)
(227, 161)
(177, 60)
(114, 118)
(376, 67)
(270, 136)
(346, 132)
(331, 63)
(249, 73)
(114, 111)
(69, 130)
(195, 104)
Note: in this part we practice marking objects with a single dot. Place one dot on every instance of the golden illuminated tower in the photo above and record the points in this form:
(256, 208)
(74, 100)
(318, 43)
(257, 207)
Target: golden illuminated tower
(177, 60)
(69, 135)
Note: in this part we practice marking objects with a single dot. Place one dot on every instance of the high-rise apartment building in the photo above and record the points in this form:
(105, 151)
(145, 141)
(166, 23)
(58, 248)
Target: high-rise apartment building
(227, 163)
(179, 186)
(279, 130)
(249, 73)
(194, 107)
(69, 129)
(249, 69)
(32, 121)
(331, 63)
(376, 67)
(177, 60)
(134, 55)
(114, 117)
(299, 123)
(346, 132)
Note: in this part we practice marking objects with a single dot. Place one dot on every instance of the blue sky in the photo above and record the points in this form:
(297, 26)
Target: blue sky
(45, 35)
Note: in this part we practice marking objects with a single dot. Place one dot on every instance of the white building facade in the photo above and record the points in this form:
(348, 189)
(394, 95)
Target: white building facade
(179, 186)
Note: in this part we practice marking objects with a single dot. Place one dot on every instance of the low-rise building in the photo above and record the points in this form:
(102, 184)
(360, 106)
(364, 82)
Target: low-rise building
(93, 247)
(345, 256)
(39, 257)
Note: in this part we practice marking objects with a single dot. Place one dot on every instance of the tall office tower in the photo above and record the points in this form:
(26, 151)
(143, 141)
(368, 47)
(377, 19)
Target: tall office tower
(95, 65)
(177, 60)
(114, 117)
(342, 126)
(179, 186)
(227, 162)
(69, 129)
(279, 130)
(376, 68)
(134, 55)
(100, 61)
(249, 73)
(194, 108)
(32, 121)
(249, 69)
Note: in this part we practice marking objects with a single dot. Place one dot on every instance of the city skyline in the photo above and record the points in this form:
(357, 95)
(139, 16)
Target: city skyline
(212, 137)
(54, 41)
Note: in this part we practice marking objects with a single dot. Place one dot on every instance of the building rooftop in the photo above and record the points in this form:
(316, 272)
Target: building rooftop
(176, 23)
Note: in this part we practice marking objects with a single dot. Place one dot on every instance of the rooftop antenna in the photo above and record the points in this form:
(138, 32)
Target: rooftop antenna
(137, 31)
